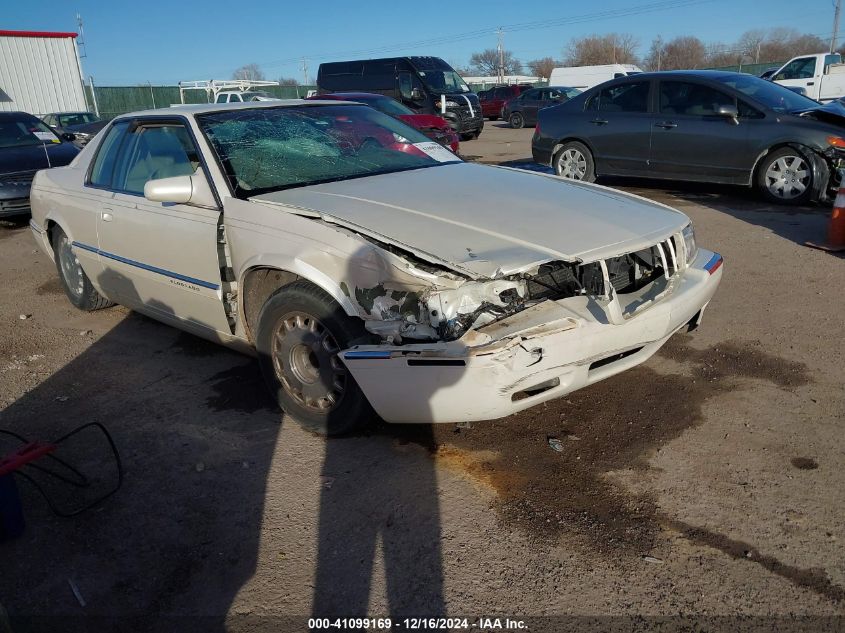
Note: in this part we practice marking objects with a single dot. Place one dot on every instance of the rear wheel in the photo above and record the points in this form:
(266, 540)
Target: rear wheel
(785, 176)
(301, 330)
(75, 282)
(575, 161)
(516, 120)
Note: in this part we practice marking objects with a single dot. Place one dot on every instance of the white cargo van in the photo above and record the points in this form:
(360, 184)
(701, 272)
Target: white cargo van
(584, 77)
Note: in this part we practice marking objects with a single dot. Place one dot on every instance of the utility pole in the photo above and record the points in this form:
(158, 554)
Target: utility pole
(80, 41)
(304, 68)
(500, 75)
(835, 25)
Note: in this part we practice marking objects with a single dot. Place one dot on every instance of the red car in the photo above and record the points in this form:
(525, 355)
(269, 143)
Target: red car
(434, 127)
(493, 99)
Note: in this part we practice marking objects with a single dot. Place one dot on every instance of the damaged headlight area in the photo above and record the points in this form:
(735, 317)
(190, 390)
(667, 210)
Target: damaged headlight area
(447, 313)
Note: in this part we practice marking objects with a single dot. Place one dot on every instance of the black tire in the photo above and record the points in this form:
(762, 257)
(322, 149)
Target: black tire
(493, 118)
(73, 279)
(574, 160)
(785, 176)
(301, 367)
(469, 136)
(516, 120)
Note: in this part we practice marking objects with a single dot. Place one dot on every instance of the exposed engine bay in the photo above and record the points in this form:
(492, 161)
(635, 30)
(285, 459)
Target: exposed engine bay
(446, 314)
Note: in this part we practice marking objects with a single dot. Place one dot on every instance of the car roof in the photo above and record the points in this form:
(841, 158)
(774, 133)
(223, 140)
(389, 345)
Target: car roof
(350, 95)
(16, 114)
(203, 108)
(689, 74)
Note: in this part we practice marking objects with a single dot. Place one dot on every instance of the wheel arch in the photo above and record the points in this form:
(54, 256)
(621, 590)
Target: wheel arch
(818, 163)
(261, 279)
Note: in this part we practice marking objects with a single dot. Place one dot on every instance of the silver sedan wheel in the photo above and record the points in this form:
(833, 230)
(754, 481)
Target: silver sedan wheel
(788, 177)
(306, 363)
(572, 164)
(71, 269)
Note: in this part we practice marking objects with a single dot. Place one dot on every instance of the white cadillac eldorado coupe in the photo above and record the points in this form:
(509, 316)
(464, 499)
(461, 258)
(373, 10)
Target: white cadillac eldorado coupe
(368, 268)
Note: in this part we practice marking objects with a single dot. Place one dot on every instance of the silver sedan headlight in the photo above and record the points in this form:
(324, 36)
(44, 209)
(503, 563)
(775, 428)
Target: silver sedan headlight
(689, 242)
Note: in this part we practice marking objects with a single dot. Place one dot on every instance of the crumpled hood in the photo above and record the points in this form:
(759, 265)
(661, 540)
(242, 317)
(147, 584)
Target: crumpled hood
(487, 221)
(833, 112)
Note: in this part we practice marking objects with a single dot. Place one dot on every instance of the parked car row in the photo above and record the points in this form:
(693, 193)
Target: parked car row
(707, 126)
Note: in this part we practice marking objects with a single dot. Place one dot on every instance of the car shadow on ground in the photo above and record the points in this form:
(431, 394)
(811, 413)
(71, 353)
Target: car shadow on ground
(199, 436)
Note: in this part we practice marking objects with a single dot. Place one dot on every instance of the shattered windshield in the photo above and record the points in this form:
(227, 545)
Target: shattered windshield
(268, 149)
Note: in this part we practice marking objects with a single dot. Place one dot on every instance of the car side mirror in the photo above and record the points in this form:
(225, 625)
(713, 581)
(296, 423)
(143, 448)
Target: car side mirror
(416, 94)
(68, 136)
(193, 190)
(729, 112)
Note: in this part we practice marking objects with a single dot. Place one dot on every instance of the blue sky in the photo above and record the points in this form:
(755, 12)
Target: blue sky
(165, 41)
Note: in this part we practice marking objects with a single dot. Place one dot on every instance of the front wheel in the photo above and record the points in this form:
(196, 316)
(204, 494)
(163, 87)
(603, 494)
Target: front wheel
(786, 177)
(78, 288)
(301, 331)
(575, 161)
(516, 120)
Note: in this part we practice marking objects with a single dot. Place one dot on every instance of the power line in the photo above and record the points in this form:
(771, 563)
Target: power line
(660, 5)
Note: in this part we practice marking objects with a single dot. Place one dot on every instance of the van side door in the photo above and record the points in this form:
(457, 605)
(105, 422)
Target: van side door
(161, 258)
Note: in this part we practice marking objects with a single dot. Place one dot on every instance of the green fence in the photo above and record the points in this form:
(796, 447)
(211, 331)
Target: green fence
(751, 69)
(114, 100)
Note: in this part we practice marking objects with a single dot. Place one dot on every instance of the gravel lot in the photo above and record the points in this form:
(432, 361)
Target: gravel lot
(706, 483)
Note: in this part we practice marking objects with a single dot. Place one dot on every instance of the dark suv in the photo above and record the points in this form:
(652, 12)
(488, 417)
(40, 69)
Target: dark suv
(523, 110)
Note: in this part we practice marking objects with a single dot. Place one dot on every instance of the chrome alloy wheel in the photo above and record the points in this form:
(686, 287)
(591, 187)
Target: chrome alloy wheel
(572, 164)
(71, 269)
(306, 363)
(788, 177)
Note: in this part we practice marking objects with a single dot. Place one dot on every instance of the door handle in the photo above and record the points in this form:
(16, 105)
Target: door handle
(666, 125)
(107, 217)
(599, 121)
(811, 83)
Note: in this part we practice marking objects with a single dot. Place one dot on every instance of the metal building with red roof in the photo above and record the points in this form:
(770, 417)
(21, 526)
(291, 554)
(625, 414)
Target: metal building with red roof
(40, 72)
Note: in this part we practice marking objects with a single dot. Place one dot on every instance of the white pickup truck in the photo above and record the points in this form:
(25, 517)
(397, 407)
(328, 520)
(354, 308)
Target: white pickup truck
(820, 76)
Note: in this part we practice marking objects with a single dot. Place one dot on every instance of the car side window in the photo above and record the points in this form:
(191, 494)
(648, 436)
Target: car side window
(529, 95)
(103, 168)
(221, 99)
(50, 120)
(153, 152)
(627, 97)
(691, 99)
(802, 68)
(747, 111)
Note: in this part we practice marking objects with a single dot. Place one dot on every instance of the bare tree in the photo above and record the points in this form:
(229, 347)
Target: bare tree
(655, 60)
(779, 44)
(487, 62)
(542, 67)
(684, 53)
(248, 71)
(288, 81)
(719, 55)
(613, 48)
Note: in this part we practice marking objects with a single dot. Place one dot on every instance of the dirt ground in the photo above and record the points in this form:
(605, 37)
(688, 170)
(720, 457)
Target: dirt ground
(704, 489)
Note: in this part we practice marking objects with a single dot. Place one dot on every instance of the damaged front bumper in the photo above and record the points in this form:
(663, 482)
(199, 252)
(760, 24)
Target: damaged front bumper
(541, 353)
